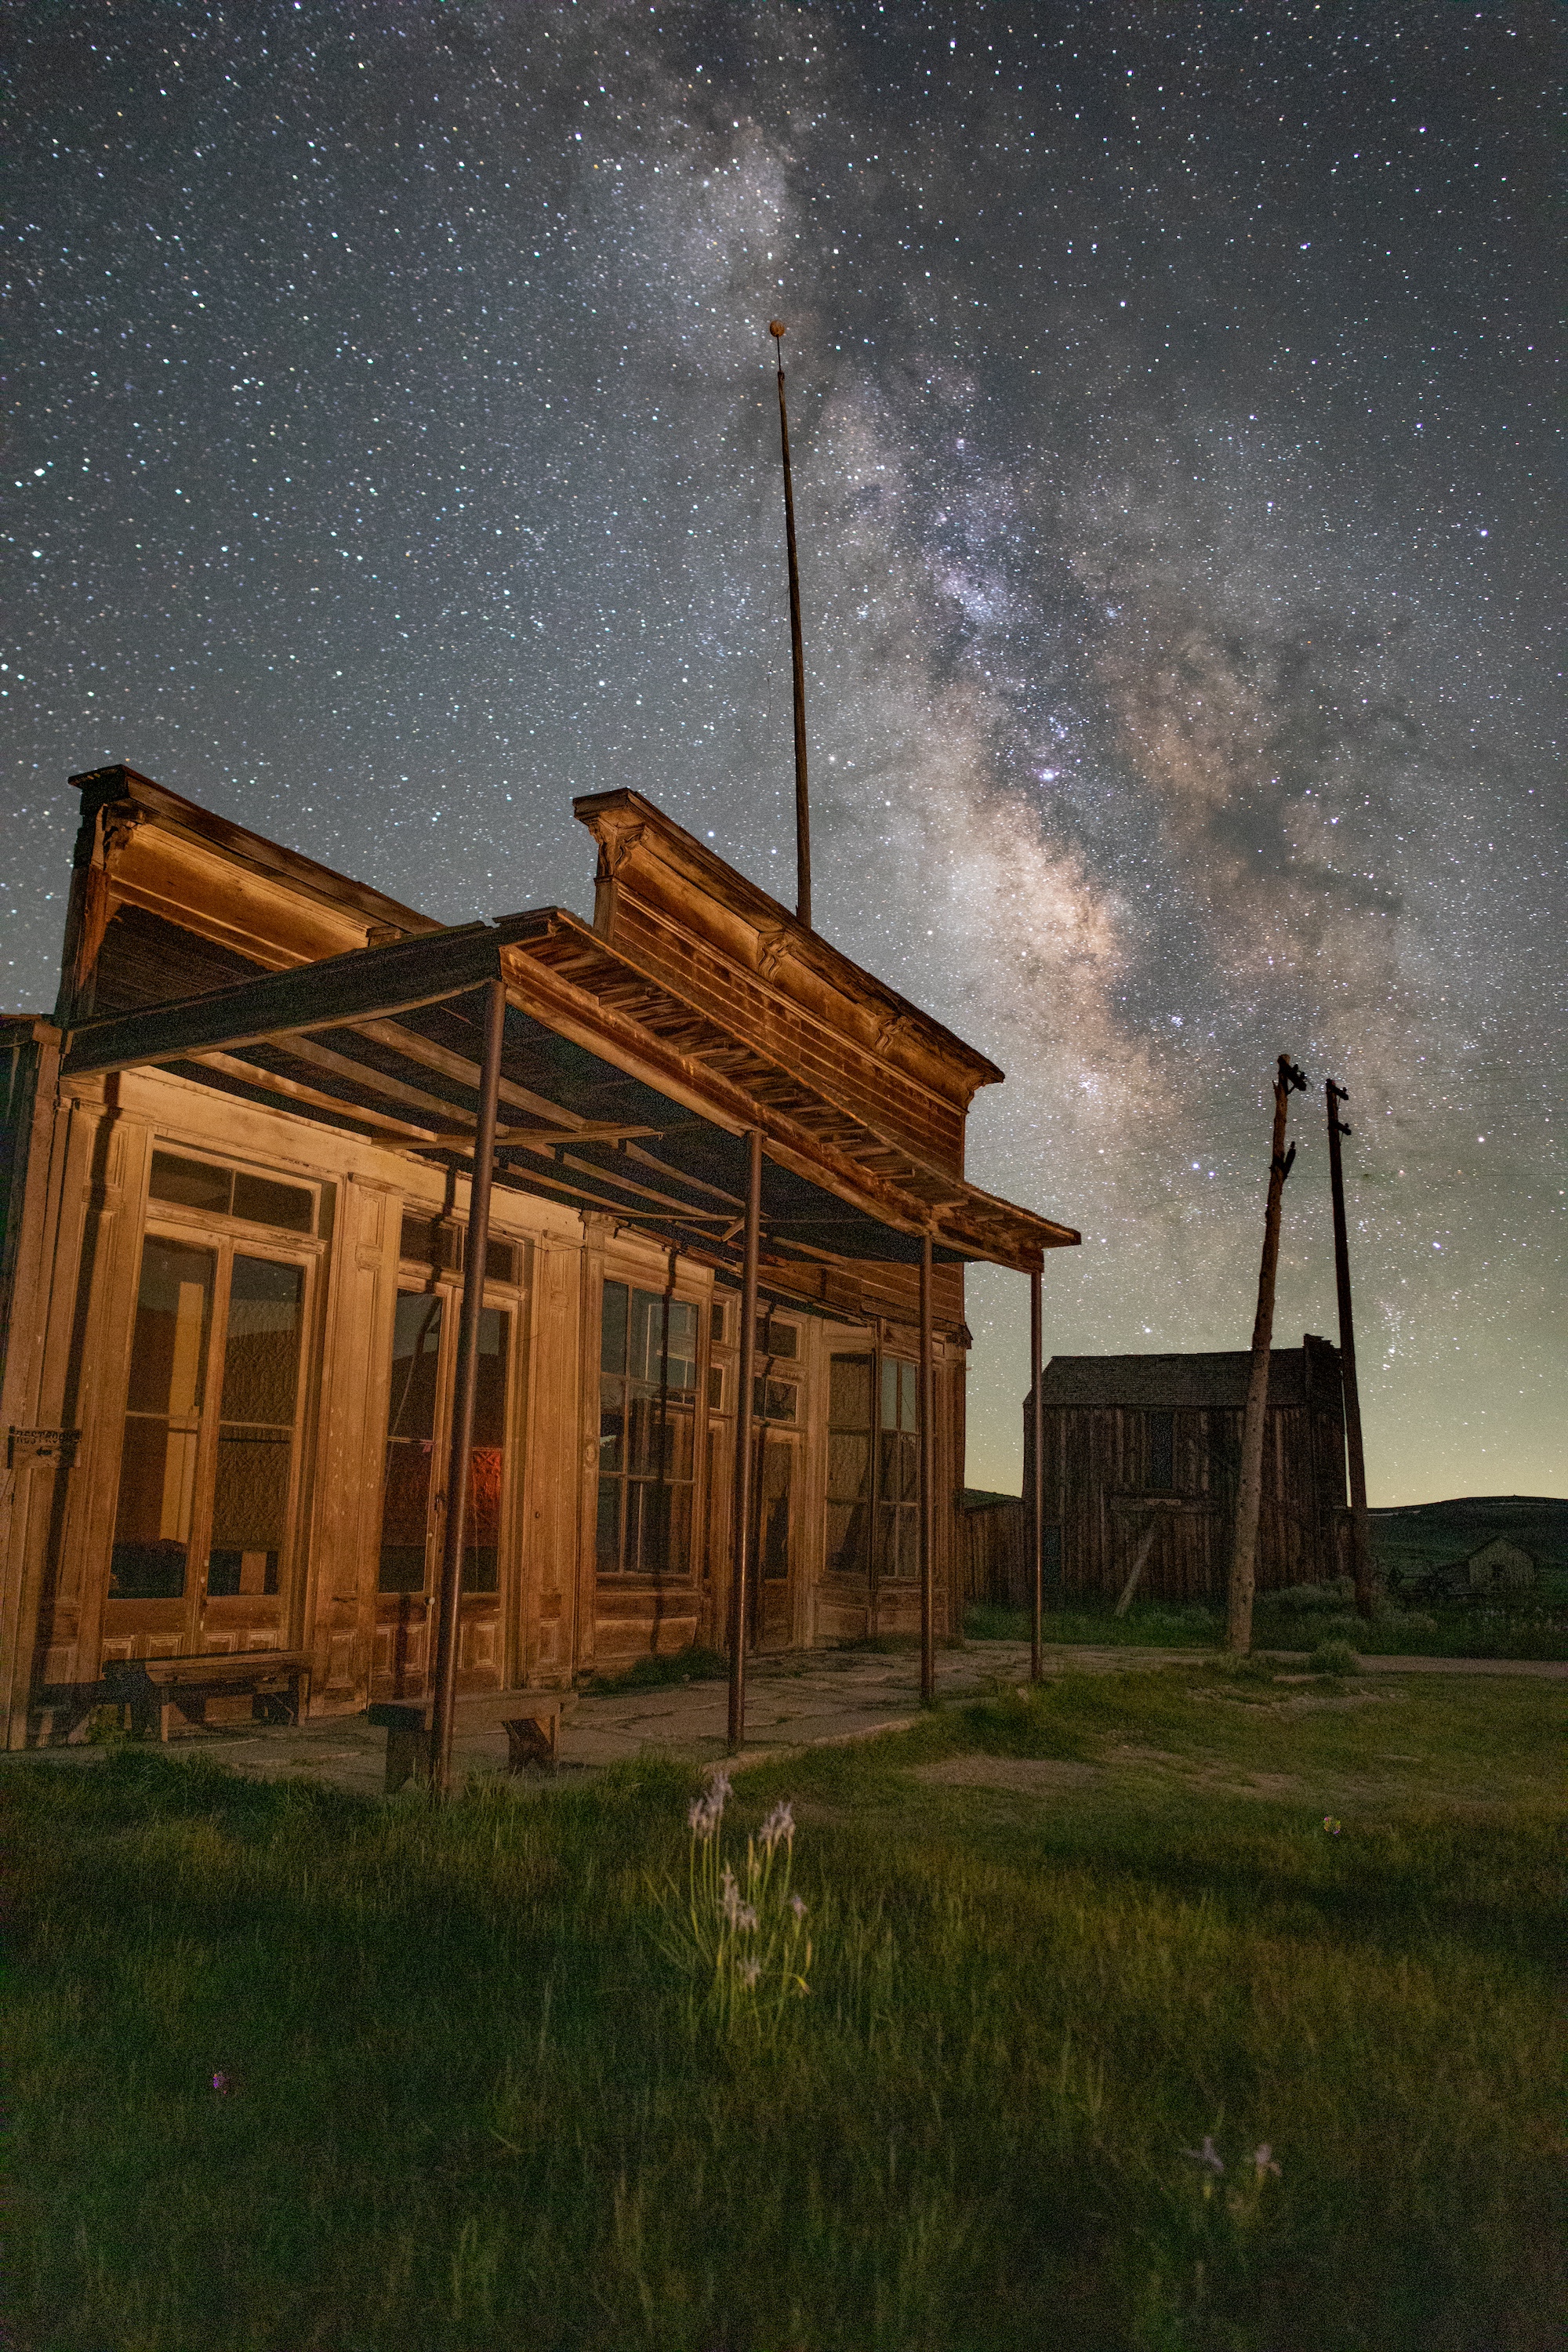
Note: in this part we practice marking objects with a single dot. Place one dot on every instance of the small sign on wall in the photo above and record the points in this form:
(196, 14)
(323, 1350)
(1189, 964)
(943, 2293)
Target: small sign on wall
(41, 1449)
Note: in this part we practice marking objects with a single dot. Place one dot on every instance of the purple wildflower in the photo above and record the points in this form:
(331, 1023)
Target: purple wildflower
(1208, 2156)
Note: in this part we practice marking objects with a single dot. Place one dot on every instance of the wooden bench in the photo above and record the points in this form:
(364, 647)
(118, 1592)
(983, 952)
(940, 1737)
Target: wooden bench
(160, 1687)
(532, 1717)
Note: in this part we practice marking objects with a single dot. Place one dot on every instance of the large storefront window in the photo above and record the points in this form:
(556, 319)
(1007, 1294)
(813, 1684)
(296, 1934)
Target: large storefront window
(648, 1400)
(206, 1470)
(873, 1465)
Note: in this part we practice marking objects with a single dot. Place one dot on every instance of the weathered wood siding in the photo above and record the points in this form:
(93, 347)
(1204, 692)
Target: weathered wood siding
(1098, 1494)
(994, 1563)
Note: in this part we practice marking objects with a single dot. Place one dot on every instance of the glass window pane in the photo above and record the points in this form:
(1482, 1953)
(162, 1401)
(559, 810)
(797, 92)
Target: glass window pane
(777, 1465)
(162, 1421)
(481, 1525)
(890, 1392)
(644, 1416)
(612, 1423)
(780, 1340)
(191, 1182)
(849, 1392)
(489, 1391)
(613, 1333)
(646, 1335)
(266, 1202)
(848, 1467)
(169, 1344)
(410, 1429)
(608, 1541)
(682, 1346)
(261, 1350)
(250, 1506)
(909, 1396)
(500, 1260)
(847, 1526)
(680, 1426)
(774, 1400)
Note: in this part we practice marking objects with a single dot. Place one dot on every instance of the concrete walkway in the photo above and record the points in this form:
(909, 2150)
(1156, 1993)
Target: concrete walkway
(797, 1699)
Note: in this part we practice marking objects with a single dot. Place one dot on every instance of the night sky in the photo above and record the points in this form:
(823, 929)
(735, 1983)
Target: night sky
(392, 453)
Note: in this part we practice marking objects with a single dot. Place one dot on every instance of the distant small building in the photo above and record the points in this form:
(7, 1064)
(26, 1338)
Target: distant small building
(1144, 1450)
(1497, 1567)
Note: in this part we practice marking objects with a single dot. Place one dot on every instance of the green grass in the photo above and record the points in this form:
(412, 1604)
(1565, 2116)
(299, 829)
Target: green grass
(1147, 1625)
(1060, 1938)
(1527, 1628)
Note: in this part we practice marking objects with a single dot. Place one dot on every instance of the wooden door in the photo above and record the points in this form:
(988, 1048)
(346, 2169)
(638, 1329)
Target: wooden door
(202, 1551)
(413, 1500)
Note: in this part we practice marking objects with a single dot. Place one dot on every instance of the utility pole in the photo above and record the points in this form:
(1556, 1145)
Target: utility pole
(1249, 1482)
(776, 328)
(1361, 1532)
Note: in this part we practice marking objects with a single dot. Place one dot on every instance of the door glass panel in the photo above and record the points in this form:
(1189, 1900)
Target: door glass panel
(848, 1464)
(778, 1462)
(410, 1439)
(481, 1529)
(898, 1531)
(256, 1426)
(647, 1383)
(162, 1421)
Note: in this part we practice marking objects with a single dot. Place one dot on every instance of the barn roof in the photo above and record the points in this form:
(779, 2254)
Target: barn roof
(1194, 1382)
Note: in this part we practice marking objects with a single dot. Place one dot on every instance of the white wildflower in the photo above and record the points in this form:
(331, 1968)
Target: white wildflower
(797, 1906)
(779, 1827)
(1208, 2156)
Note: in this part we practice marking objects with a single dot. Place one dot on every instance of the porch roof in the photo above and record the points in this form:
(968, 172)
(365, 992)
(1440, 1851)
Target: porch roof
(617, 1094)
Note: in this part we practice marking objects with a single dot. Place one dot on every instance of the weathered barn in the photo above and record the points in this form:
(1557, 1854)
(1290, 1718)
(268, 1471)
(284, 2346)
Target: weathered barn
(1141, 1456)
(234, 1192)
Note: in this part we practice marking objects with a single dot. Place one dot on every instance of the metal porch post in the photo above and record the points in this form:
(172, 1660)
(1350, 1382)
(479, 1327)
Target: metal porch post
(928, 1483)
(463, 1390)
(1037, 1487)
(740, 1557)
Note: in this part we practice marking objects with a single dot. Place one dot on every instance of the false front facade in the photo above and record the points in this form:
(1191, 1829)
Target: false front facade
(239, 1161)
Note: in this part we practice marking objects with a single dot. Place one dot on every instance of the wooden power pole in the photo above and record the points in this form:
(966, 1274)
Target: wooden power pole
(1249, 1483)
(797, 659)
(1361, 1532)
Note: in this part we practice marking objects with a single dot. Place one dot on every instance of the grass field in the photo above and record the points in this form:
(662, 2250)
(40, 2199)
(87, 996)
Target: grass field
(1527, 1628)
(466, 2105)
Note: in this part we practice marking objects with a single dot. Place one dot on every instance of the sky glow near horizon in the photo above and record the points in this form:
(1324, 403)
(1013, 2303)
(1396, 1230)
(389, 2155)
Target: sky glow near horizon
(393, 454)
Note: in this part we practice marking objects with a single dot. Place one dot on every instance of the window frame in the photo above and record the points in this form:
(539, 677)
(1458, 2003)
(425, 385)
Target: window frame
(680, 1293)
(225, 1237)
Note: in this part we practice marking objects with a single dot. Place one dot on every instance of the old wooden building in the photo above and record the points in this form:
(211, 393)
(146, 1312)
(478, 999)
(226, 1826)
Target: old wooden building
(240, 1163)
(1141, 1456)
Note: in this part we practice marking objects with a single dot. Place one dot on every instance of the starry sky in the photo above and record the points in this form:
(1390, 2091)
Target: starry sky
(392, 453)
